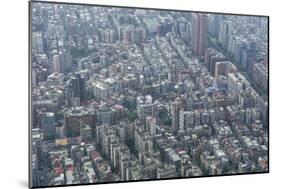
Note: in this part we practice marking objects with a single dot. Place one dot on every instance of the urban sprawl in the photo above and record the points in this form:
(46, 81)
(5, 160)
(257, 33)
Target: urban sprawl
(123, 94)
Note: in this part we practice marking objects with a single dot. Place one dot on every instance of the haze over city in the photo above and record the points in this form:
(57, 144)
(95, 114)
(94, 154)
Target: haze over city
(124, 94)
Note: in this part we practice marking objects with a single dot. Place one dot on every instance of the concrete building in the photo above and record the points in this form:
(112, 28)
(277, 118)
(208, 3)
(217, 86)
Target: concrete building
(199, 33)
(75, 117)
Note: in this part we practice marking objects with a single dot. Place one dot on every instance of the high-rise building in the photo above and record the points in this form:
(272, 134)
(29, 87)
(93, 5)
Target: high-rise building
(107, 36)
(236, 82)
(213, 25)
(151, 125)
(145, 106)
(145, 144)
(212, 56)
(59, 63)
(48, 125)
(220, 82)
(75, 118)
(62, 61)
(37, 42)
(199, 33)
(36, 148)
(78, 86)
(56, 63)
(167, 171)
(186, 120)
(175, 112)
(224, 68)
(138, 35)
(225, 33)
(260, 75)
(86, 133)
(34, 79)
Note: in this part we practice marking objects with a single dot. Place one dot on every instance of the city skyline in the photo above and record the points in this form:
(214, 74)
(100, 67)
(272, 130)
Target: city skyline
(127, 94)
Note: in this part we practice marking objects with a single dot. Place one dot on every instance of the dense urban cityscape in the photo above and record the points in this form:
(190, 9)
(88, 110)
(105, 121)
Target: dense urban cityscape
(124, 94)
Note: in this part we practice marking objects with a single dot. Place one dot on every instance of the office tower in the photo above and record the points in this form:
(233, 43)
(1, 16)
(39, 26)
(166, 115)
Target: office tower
(199, 33)
(48, 125)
